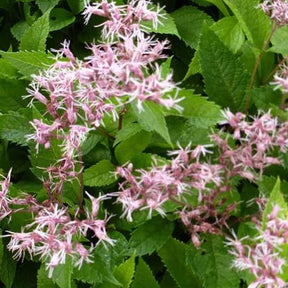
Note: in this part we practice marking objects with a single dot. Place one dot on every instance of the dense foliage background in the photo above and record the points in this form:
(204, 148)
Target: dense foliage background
(221, 56)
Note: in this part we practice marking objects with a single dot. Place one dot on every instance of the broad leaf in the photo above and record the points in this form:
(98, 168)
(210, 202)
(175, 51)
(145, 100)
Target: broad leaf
(43, 281)
(76, 5)
(280, 41)
(132, 146)
(126, 132)
(8, 269)
(229, 32)
(212, 261)
(36, 35)
(189, 21)
(45, 5)
(220, 5)
(100, 174)
(226, 80)
(7, 70)
(60, 18)
(125, 271)
(62, 274)
(152, 119)
(14, 128)
(144, 277)
(172, 255)
(252, 19)
(27, 62)
(151, 236)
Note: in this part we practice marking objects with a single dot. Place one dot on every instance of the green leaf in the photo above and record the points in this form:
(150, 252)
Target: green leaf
(7, 70)
(96, 272)
(152, 119)
(11, 92)
(126, 132)
(100, 174)
(91, 141)
(279, 41)
(18, 30)
(229, 32)
(62, 274)
(60, 18)
(132, 146)
(252, 19)
(264, 96)
(194, 66)
(45, 5)
(197, 109)
(144, 277)
(167, 25)
(173, 254)
(42, 278)
(189, 21)
(76, 5)
(36, 35)
(14, 128)
(276, 198)
(211, 262)
(225, 78)
(220, 5)
(8, 269)
(125, 271)
(27, 62)
(151, 236)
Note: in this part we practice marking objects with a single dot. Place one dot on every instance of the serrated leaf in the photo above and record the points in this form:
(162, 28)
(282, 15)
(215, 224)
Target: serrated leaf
(144, 277)
(167, 25)
(194, 66)
(28, 63)
(172, 255)
(36, 35)
(151, 236)
(132, 146)
(275, 198)
(14, 128)
(91, 141)
(211, 262)
(60, 18)
(229, 32)
(100, 174)
(226, 79)
(7, 70)
(96, 272)
(8, 269)
(42, 278)
(279, 41)
(152, 119)
(189, 21)
(252, 19)
(197, 109)
(62, 274)
(126, 132)
(45, 5)
(18, 30)
(11, 92)
(125, 271)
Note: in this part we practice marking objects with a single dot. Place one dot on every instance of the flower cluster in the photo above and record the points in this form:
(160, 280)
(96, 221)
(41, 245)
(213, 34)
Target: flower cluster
(263, 257)
(78, 94)
(277, 10)
(202, 187)
(53, 235)
(281, 79)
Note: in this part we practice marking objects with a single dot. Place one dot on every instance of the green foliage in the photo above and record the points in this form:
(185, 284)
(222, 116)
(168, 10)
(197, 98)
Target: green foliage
(35, 37)
(189, 21)
(172, 255)
(224, 75)
(151, 236)
(100, 174)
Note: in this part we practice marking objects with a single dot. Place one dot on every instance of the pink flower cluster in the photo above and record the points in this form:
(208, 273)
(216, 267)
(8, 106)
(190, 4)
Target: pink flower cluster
(53, 235)
(281, 79)
(78, 94)
(199, 186)
(277, 10)
(262, 254)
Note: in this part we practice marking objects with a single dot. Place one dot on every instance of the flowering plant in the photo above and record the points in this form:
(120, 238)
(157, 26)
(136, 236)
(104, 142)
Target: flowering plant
(130, 130)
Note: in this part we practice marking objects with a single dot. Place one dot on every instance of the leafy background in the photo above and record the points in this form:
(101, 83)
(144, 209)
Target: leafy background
(214, 48)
